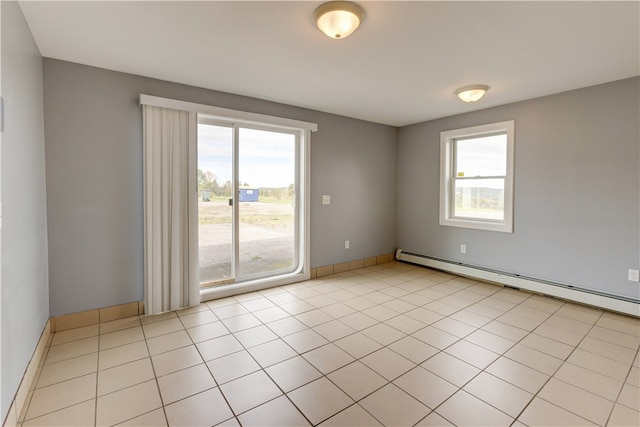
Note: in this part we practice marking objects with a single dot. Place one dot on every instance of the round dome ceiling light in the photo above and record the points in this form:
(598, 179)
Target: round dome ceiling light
(472, 93)
(338, 19)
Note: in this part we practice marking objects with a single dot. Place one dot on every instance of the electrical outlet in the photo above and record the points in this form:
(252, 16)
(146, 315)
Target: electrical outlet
(326, 199)
(346, 244)
(634, 275)
(463, 249)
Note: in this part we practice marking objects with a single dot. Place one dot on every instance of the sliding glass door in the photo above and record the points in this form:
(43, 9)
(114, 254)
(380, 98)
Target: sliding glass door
(247, 202)
(215, 213)
(266, 209)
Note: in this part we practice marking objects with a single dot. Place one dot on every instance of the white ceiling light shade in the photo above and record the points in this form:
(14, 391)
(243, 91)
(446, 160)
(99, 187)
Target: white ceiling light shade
(338, 19)
(472, 93)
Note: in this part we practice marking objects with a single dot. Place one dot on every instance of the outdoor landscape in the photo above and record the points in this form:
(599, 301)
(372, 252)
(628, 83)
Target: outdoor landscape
(266, 230)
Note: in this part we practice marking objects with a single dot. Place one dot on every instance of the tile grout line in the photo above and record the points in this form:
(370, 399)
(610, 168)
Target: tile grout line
(534, 395)
(233, 413)
(575, 347)
(460, 388)
(320, 308)
(33, 389)
(155, 376)
(383, 322)
(325, 376)
(95, 406)
(388, 382)
(615, 402)
(459, 338)
(624, 382)
(263, 369)
(515, 419)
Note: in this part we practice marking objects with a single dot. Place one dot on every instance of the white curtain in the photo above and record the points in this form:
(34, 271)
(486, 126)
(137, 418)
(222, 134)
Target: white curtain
(170, 273)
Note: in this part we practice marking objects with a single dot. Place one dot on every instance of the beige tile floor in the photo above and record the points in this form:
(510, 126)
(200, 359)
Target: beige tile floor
(392, 344)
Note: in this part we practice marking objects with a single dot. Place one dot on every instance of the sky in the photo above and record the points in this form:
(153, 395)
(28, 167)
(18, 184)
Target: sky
(266, 158)
(484, 156)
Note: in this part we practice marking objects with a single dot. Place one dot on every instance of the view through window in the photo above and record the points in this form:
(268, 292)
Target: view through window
(246, 205)
(480, 172)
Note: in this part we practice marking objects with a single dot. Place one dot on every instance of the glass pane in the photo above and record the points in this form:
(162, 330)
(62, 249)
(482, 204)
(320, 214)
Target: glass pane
(482, 156)
(215, 150)
(479, 198)
(266, 196)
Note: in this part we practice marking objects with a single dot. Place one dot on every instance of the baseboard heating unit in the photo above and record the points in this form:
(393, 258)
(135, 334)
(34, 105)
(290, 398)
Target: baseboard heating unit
(558, 290)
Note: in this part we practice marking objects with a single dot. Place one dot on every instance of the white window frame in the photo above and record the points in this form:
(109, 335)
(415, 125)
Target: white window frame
(447, 179)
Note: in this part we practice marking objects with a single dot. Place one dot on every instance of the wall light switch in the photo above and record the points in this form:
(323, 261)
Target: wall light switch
(326, 200)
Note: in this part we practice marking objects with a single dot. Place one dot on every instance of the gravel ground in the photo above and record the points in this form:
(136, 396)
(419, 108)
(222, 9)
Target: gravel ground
(263, 247)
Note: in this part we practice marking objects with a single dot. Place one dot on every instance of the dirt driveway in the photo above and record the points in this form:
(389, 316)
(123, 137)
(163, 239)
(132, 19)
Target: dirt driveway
(266, 238)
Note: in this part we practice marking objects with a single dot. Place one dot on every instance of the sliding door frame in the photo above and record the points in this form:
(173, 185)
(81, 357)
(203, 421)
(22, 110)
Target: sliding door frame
(297, 208)
(302, 202)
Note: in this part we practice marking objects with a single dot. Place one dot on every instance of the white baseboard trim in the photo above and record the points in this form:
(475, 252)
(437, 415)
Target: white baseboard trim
(557, 290)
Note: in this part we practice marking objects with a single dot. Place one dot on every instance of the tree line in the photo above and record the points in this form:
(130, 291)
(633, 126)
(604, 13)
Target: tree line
(208, 182)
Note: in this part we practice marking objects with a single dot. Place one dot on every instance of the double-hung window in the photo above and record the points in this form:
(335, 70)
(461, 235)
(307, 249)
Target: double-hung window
(476, 177)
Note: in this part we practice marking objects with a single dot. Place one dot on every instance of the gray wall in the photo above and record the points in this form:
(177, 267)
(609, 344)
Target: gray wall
(25, 292)
(93, 131)
(577, 189)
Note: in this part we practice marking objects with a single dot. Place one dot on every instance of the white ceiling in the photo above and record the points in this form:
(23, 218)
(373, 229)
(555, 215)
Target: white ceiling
(401, 66)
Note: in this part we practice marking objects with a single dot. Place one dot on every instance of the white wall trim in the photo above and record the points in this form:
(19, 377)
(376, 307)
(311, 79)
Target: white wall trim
(531, 284)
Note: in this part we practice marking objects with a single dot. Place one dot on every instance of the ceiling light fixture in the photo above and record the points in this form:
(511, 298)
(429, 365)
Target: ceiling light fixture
(338, 19)
(472, 93)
